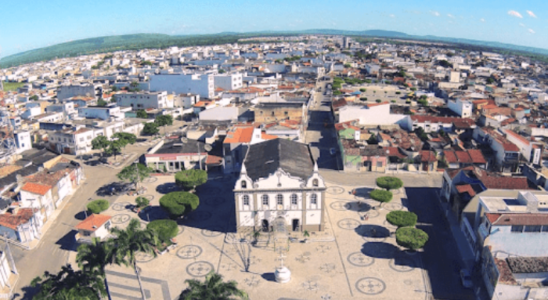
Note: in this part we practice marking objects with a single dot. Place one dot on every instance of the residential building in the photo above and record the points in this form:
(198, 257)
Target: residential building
(228, 82)
(68, 91)
(73, 140)
(173, 155)
(266, 112)
(144, 100)
(370, 114)
(462, 108)
(101, 112)
(94, 226)
(202, 85)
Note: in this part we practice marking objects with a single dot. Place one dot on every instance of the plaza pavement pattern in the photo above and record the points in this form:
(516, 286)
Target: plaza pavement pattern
(362, 262)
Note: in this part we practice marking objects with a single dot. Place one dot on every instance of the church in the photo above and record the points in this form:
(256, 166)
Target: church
(279, 180)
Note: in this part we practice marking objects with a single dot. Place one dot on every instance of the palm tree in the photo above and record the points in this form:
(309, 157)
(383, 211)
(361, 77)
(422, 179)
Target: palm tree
(93, 258)
(213, 288)
(69, 284)
(128, 243)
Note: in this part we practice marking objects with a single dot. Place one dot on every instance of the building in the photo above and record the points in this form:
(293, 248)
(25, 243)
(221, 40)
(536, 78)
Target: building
(228, 82)
(144, 100)
(434, 124)
(174, 155)
(100, 112)
(68, 91)
(508, 156)
(185, 100)
(370, 114)
(279, 182)
(266, 112)
(462, 108)
(202, 85)
(94, 226)
(73, 140)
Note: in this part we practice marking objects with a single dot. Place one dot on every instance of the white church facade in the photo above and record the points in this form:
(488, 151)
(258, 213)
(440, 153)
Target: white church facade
(279, 179)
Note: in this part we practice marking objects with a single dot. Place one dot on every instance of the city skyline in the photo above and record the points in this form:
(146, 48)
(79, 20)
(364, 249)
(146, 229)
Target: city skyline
(60, 21)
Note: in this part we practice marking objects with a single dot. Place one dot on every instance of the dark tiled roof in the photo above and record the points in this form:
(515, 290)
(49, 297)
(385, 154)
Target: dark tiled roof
(528, 264)
(178, 147)
(263, 159)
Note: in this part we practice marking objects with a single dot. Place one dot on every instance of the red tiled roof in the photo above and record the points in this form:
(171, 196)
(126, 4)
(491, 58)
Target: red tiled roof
(463, 157)
(394, 151)
(506, 276)
(492, 217)
(427, 156)
(35, 188)
(13, 221)
(450, 156)
(517, 136)
(521, 219)
(444, 120)
(239, 135)
(477, 156)
(466, 188)
(369, 105)
(93, 222)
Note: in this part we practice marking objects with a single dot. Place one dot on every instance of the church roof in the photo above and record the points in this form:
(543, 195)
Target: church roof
(263, 159)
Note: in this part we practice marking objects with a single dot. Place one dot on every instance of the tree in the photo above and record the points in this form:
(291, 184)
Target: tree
(221, 71)
(141, 113)
(100, 142)
(93, 258)
(164, 120)
(165, 230)
(127, 243)
(34, 98)
(389, 183)
(178, 203)
(120, 141)
(347, 65)
(135, 173)
(411, 238)
(378, 100)
(213, 288)
(363, 90)
(381, 195)
(101, 102)
(69, 284)
(151, 128)
(372, 140)
(401, 218)
(190, 179)
(141, 202)
(98, 206)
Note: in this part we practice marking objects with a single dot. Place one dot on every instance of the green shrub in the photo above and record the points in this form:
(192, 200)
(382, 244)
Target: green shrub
(401, 218)
(178, 203)
(98, 206)
(381, 195)
(393, 101)
(164, 229)
(397, 93)
(363, 90)
(189, 179)
(378, 100)
(407, 101)
(142, 202)
(363, 98)
(389, 183)
(411, 238)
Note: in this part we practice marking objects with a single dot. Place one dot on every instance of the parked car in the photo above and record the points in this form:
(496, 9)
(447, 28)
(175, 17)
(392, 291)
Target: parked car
(466, 279)
(332, 151)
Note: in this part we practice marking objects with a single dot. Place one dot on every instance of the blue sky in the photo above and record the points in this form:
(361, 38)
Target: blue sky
(38, 23)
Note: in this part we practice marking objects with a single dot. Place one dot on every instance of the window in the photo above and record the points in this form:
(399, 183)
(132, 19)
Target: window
(379, 164)
(544, 228)
(86, 233)
(81, 139)
(265, 200)
(286, 113)
(244, 184)
(246, 199)
(315, 182)
(314, 199)
(294, 199)
(272, 114)
(517, 228)
(107, 225)
(533, 228)
(280, 199)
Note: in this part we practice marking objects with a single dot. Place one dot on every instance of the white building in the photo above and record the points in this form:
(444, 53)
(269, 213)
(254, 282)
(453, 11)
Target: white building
(370, 114)
(202, 85)
(279, 181)
(100, 112)
(144, 100)
(463, 108)
(22, 140)
(228, 82)
(72, 141)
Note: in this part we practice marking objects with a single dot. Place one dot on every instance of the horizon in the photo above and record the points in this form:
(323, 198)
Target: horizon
(60, 21)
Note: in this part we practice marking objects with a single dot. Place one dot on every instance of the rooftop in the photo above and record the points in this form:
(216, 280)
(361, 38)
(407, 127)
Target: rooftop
(93, 222)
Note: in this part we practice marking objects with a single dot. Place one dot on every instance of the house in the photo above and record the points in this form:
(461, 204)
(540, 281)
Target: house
(100, 112)
(266, 112)
(428, 161)
(462, 108)
(434, 123)
(144, 100)
(21, 224)
(507, 155)
(370, 114)
(68, 91)
(172, 155)
(228, 82)
(459, 159)
(202, 85)
(185, 100)
(531, 150)
(279, 188)
(94, 226)
(73, 140)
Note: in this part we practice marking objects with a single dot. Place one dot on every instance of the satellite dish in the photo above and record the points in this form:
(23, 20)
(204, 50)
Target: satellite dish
(207, 147)
(184, 140)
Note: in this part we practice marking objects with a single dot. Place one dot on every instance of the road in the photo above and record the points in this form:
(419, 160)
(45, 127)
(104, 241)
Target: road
(55, 244)
(321, 138)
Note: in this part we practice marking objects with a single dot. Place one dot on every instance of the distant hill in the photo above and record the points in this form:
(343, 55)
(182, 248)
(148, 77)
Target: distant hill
(154, 41)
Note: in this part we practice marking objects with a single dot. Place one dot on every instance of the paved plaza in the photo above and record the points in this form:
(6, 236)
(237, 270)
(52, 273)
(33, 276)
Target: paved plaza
(356, 259)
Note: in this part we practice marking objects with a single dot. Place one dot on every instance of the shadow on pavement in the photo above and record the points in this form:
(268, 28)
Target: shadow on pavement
(80, 215)
(167, 188)
(269, 277)
(68, 241)
(357, 206)
(380, 250)
(113, 188)
(372, 231)
(29, 292)
(362, 192)
(151, 213)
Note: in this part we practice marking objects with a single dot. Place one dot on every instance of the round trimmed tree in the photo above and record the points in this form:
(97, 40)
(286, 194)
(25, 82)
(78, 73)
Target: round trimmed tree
(177, 204)
(411, 238)
(389, 183)
(165, 230)
(401, 218)
(381, 195)
(98, 206)
(190, 179)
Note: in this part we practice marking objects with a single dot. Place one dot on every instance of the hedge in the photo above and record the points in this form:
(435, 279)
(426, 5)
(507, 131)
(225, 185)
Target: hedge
(389, 183)
(178, 203)
(98, 206)
(411, 238)
(401, 218)
(164, 229)
(381, 195)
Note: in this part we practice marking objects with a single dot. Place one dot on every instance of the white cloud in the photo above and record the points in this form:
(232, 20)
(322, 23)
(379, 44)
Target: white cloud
(435, 13)
(531, 14)
(531, 30)
(451, 16)
(521, 24)
(514, 13)
(392, 16)
(482, 20)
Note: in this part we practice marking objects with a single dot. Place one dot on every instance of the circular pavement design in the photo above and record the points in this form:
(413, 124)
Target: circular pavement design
(405, 264)
(120, 206)
(142, 257)
(334, 190)
(339, 205)
(189, 251)
(199, 268)
(148, 197)
(374, 239)
(348, 224)
(370, 286)
(181, 229)
(372, 213)
(392, 206)
(215, 231)
(120, 218)
(359, 259)
(388, 225)
(150, 180)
